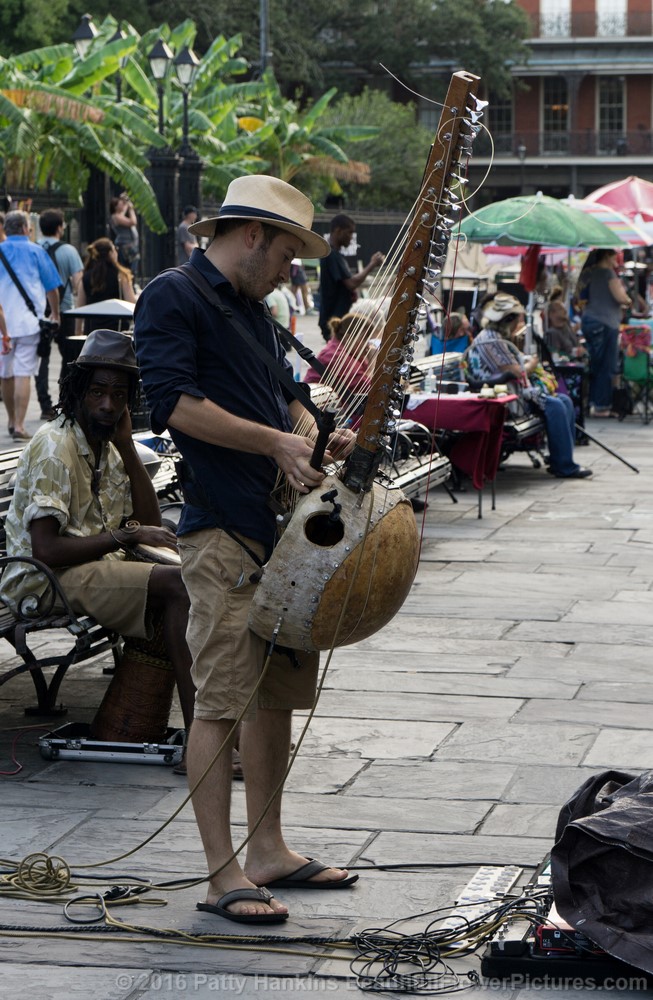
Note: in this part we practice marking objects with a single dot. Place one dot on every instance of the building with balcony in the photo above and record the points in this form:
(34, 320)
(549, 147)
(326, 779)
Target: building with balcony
(581, 111)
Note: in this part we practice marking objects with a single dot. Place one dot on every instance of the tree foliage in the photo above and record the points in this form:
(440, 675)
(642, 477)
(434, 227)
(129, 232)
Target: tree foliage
(315, 45)
(60, 115)
(298, 143)
(396, 155)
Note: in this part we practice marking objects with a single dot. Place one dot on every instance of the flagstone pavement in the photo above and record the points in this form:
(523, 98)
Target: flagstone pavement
(518, 666)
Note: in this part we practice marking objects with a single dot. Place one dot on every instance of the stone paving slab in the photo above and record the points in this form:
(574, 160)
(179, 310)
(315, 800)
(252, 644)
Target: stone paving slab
(68, 982)
(120, 803)
(541, 783)
(499, 605)
(579, 667)
(432, 780)
(514, 743)
(392, 648)
(369, 738)
(617, 691)
(597, 713)
(536, 585)
(29, 827)
(486, 685)
(609, 631)
(622, 748)
(316, 774)
(426, 707)
(410, 632)
(402, 848)
(349, 662)
(528, 820)
(633, 612)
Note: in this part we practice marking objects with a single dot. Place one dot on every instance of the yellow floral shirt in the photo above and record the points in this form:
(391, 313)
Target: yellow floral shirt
(55, 478)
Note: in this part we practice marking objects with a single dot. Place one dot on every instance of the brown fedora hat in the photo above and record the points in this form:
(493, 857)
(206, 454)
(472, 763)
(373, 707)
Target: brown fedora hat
(270, 200)
(108, 349)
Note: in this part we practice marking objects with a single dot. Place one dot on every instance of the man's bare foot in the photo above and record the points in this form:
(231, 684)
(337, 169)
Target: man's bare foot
(293, 871)
(244, 907)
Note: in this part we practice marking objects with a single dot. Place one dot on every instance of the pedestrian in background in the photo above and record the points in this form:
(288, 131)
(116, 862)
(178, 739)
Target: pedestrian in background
(124, 226)
(186, 241)
(24, 308)
(103, 278)
(338, 286)
(299, 287)
(602, 298)
(70, 267)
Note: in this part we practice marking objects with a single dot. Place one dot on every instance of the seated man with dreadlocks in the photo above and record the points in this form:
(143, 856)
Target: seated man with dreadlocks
(79, 482)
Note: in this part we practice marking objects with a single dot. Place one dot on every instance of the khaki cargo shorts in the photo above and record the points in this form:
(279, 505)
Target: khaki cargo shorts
(113, 592)
(227, 656)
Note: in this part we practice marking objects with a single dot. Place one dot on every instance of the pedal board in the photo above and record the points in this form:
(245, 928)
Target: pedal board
(482, 894)
(72, 742)
(550, 952)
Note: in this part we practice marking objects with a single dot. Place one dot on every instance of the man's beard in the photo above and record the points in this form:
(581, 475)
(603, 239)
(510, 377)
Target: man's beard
(101, 432)
(250, 283)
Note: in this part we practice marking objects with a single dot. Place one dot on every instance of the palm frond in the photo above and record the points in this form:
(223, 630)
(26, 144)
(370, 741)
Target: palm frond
(353, 172)
(55, 104)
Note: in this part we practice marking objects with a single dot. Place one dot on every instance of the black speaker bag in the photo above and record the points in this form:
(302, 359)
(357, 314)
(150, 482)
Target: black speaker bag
(602, 864)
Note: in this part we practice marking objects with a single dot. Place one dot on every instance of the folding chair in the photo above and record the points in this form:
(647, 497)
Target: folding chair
(636, 373)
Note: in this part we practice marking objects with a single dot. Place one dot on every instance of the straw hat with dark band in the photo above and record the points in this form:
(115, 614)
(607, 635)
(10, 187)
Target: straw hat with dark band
(500, 306)
(270, 200)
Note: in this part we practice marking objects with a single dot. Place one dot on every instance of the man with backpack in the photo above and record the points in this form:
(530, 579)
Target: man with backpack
(69, 265)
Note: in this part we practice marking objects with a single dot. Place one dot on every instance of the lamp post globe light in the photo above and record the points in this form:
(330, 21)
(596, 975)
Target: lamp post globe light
(163, 173)
(186, 63)
(190, 172)
(84, 34)
(159, 59)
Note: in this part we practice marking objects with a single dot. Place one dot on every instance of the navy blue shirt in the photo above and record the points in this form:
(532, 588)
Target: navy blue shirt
(186, 346)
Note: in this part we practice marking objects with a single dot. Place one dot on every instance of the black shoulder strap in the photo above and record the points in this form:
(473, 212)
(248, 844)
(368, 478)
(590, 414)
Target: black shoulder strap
(286, 379)
(289, 340)
(16, 281)
(52, 251)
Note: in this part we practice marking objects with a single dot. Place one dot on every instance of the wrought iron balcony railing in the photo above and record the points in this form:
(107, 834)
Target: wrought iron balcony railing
(585, 142)
(591, 24)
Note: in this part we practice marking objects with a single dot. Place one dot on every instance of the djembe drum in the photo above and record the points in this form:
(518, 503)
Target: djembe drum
(136, 705)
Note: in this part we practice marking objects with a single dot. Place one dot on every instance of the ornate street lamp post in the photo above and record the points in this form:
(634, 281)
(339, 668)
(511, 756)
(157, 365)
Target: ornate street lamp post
(160, 58)
(186, 64)
(160, 250)
(93, 219)
(119, 36)
(521, 155)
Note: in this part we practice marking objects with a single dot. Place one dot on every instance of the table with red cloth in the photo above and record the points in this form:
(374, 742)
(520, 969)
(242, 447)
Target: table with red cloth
(476, 449)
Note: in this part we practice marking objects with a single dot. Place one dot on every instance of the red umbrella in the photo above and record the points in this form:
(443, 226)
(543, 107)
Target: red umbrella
(631, 196)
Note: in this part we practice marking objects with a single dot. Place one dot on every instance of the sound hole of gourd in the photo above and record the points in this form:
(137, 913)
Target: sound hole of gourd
(321, 530)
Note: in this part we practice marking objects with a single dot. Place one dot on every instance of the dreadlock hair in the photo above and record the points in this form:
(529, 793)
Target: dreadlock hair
(74, 384)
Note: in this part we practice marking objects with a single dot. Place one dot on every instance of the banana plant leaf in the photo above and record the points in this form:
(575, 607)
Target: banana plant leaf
(530, 219)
